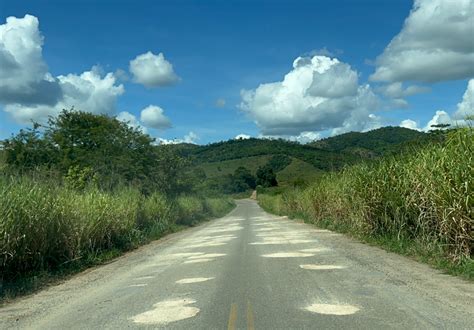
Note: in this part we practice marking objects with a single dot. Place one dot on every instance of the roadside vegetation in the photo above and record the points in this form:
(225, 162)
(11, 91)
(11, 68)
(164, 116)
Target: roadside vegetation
(83, 189)
(418, 202)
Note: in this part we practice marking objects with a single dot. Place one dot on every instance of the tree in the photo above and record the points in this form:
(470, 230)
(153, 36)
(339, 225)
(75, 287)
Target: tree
(77, 143)
(243, 175)
(266, 177)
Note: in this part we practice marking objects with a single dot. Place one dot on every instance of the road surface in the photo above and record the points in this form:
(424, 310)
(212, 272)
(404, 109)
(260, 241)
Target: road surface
(251, 270)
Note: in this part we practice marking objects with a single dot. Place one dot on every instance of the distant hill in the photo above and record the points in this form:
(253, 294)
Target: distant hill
(305, 162)
(326, 154)
(372, 143)
(239, 149)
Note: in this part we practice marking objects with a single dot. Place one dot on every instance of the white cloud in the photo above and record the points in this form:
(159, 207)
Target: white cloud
(305, 102)
(435, 44)
(242, 137)
(190, 138)
(121, 75)
(306, 137)
(396, 90)
(86, 92)
(466, 106)
(29, 92)
(153, 116)
(411, 124)
(153, 70)
(24, 76)
(440, 118)
(131, 120)
(339, 80)
(398, 103)
(220, 103)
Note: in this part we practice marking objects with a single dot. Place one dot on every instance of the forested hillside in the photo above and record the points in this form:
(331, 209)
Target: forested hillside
(292, 162)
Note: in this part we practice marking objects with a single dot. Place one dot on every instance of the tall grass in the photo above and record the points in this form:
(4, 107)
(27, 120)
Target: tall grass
(44, 226)
(424, 197)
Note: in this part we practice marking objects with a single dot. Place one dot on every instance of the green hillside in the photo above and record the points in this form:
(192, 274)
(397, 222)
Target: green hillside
(372, 143)
(214, 169)
(294, 163)
(326, 154)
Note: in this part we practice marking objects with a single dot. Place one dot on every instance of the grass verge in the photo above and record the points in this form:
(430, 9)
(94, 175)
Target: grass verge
(419, 204)
(49, 231)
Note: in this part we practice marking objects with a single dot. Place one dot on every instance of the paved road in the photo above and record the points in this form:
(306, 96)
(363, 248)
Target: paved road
(251, 270)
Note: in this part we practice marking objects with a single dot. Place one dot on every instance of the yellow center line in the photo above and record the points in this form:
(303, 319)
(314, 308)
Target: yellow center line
(232, 317)
(250, 323)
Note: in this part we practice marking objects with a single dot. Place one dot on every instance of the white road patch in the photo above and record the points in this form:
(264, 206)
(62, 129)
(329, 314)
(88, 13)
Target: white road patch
(278, 235)
(322, 267)
(194, 280)
(167, 311)
(287, 255)
(264, 229)
(137, 285)
(204, 245)
(329, 309)
(221, 230)
(208, 255)
(283, 241)
(315, 250)
(144, 278)
(195, 261)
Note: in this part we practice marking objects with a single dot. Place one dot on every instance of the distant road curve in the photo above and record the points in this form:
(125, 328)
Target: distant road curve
(251, 270)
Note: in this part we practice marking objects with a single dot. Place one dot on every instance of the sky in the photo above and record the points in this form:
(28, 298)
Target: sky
(206, 71)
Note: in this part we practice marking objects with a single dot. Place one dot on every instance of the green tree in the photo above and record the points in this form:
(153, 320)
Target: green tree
(266, 177)
(244, 178)
(82, 145)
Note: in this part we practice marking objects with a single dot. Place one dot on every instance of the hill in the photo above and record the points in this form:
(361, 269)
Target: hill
(303, 162)
(372, 143)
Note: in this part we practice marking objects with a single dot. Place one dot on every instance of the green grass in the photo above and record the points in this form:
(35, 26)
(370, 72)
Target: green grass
(47, 228)
(296, 173)
(419, 204)
(226, 167)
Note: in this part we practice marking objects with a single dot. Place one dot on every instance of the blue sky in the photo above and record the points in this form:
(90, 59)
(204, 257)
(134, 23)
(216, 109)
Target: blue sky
(219, 48)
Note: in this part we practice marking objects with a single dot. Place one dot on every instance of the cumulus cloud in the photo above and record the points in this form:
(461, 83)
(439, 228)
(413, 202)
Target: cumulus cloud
(87, 92)
(220, 103)
(440, 118)
(153, 116)
(435, 44)
(411, 124)
(339, 80)
(131, 120)
(24, 76)
(190, 138)
(153, 70)
(242, 137)
(29, 92)
(466, 106)
(306, 137)
(304, 101)
(396, 90)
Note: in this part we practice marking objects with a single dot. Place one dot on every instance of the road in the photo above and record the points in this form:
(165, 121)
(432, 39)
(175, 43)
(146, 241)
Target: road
(251, 270)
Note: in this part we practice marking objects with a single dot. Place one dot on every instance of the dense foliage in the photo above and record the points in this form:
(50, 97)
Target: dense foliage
(85, 146)
(45, 226)
(423, 198)
(85, 185)
(266, 177)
